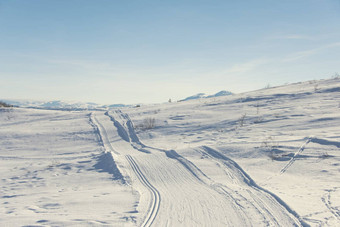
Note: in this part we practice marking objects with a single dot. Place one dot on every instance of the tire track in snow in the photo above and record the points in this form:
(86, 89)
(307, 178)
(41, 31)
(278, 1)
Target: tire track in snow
(156, 197)
(292, 160)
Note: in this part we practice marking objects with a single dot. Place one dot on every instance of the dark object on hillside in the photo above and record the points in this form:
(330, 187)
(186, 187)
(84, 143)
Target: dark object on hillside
(3, 104)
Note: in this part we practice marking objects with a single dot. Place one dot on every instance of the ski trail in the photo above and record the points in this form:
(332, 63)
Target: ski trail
(326, 199)
(126, 130)
(108, 149)
(156, 197)
(190, 195)
(120, 128)
(101, 132)
(105, 142)
(138, 145)
(292, 160)
(131, 131)
(263, 200)
(194, 170)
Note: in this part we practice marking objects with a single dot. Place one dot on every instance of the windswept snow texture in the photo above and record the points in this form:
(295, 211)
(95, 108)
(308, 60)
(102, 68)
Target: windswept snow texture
(264, 158)
(56, 172)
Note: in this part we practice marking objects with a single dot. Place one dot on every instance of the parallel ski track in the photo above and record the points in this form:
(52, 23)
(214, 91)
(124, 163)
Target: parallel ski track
(292, 160)
(156, 197)
(130, 136)
(101, 131)
(154, 207)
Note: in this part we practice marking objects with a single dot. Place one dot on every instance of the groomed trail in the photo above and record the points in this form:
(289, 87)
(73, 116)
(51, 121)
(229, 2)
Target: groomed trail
(180, 190)
(156, 198)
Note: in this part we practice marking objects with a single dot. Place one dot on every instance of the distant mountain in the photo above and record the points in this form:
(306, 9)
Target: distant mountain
(115, 105)
(66, 105)
(70, 106)
(203, 95)
(221, 93)
(61, 105)
(197, 96)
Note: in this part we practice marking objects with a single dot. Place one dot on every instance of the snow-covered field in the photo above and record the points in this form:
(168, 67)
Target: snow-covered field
(265, 158)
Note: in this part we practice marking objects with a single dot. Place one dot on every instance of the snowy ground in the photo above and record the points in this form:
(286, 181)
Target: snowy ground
(264, 158)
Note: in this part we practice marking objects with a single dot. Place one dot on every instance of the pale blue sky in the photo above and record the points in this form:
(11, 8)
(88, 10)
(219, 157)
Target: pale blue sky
(134, 51)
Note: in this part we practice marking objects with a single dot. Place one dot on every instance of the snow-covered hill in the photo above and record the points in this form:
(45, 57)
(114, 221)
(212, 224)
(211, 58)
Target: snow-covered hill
(61, 105)
(203, 95)
(64, 105)
(263, 158)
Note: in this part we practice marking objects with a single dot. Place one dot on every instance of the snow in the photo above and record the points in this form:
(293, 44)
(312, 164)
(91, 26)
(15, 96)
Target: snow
(263, 158)
(197, 96)
(219, 94)
(61, 105)
(51, 173)
(203, 95)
